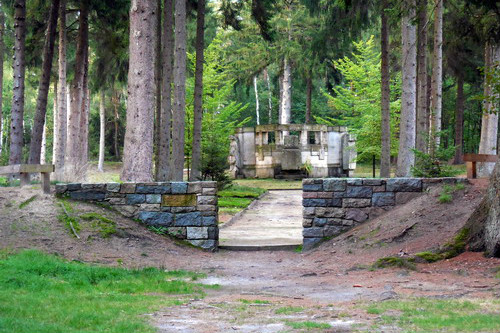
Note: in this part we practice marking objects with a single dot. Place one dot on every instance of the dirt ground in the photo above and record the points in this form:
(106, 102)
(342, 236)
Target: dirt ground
(330, 284)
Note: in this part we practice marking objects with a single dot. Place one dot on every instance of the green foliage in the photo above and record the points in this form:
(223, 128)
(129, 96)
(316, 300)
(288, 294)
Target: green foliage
(162, 231)
(356, 102)
(434, 315)
(300, 325)
(406, 263)
(446, 194)
(234, 202)
(307, 167)
(77, 297)
(27, 201)
(434, 165)
(67, 220)
(102, 224)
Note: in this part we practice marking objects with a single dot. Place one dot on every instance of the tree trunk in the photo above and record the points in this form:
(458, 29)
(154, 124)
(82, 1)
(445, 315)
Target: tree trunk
(60, 126)
(309, 89)
(489, 121)
(138, 149)
(44, 85)
(17, 110)
(179, 107)
(280, 104)
(257, 106)
(163, 170)
(286, 101)
(385, 156)
(437, 79)
(2, 32)
(102, 132)
(116, 104)
(158, 86)
(84, 122)
(198, 93)
(43, 148)
(269, 97)
(459, 120)
(73, 159)
(422, 110)
(406, 157)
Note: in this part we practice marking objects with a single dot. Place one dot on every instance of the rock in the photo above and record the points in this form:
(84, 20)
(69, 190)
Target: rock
(404, 185)
(356, 203)
(334, 184)
(319, 221)
(355, 181)
(135, 199)
(307, 223)
(310, 243)
(61, 188)
(373, 182)
(357, 215)
(207, 200)
(113, 187)
(312, 232)
(359, 192)
(127, 188)
(322, 202)
(177, 232)
(383, 199)
(312, 187)
(193, 219)
(179, 187)
(178, 200)
(197, 232)
(153, 198)
(209, 221)
(329, 212)
(209, 245)
(153, 189)
(87, 195)
(156, 218)
(73, 186)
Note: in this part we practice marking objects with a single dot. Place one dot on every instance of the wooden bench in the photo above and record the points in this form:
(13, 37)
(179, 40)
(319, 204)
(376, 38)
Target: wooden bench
(472, 159)
(24, 171)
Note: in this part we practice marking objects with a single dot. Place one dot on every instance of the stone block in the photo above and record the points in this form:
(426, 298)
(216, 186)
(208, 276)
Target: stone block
(197, 233)
(100, 187)
(89, 195)
(312, 232)
(213, 233)
(307, 223)
(357, 215)
(339, 195)
(309, 195)
(135, 199)
(373, 182)
(310, 243)
(178, 200)
(319, 221)
(322, 202)
(358, 192)
(209, 212)
(404, 185)
(156, 218)
(380, 188)
(209, 221)
(329, 212)
(207, 208)
(194, 187)
(355, 181)
(179, 187)
(356, 203)
(404, 197)
(128, 210)
(383, 199)
(307, 181)
(117, 201)
(308, 212)
(335, 221)
(115, 195)
(149, 207)
(113, 187)
(127, 188)
(162, 188)
(207, 200)
(323, 195)
(61, 188)
(334, 184)
(153, 198)
(165, 209)
(193, 219)
(312, 187)
(332, 230)
(74, 186)
(208, 245)
(187, 209)
(347, 223)
(209, 184)
(177, 232)
(208, 191)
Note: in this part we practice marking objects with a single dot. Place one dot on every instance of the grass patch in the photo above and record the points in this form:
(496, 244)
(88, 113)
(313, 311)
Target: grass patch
(106, 227)
(230, 202)
(289, 310)
(69, 221)
(406, 263)
(432, 315)
(240, 191)
(42, 293)
(254, 301)
(229, 210)
(27, 201)
(307, 325)
(446, 195)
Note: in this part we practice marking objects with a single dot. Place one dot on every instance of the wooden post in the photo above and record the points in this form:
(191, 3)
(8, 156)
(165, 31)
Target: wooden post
(45, 182)
(24, 178)
(373, 166)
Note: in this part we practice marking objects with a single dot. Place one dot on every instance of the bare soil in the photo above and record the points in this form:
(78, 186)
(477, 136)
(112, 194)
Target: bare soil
(330, 284)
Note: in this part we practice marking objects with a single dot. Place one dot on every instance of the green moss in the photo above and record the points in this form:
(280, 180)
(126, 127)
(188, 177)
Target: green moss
(445, 198)
(289, 310)
(457, 245)
(406, 263)
(429, 256)
(27, 202)
(105, 226)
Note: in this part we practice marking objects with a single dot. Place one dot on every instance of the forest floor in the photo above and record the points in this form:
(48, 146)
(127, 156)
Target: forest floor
(334, 288)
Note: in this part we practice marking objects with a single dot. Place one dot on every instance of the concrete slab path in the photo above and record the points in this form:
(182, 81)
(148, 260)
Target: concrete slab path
(272, 222)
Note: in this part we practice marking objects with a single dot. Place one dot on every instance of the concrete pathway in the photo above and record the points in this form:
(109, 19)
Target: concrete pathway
(273, 222)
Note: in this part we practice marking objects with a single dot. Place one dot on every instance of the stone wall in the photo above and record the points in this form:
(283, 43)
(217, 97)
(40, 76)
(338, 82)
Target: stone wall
(188, 211)
(334, 205)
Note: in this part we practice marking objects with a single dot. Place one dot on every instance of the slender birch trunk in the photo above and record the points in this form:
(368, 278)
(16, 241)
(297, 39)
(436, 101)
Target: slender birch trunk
(102, 130)
(269, 97)
(138, 150)
(385, 156)
(437, 79)
(257, 106)
(286, 101)
(198, 93)
(116, 121)
(422, 110)
(406, 157)
(44, 85)
(179, 107)
(19, 66)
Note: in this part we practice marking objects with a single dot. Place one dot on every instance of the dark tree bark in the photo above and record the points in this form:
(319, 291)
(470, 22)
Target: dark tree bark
(309, 89)
(158, 86)
(179, 107)
(43, 86)
(116, 104)
(2, 28)
(437, 80)
(163, 170)
(61, 124)
(422, 109)
(385, 156)
(459, 120)
(138, 150)
(198, 93)
(73, 159)
(19, 66)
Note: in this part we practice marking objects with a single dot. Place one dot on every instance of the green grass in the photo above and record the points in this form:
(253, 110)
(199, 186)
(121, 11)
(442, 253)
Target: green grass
(429, 256)
(43, 293)
(307, 325)
(240, 191)
(254, 301)
(395, 262)
(446, 195)
(271, 184)
(286, 310)
(106, 227)
(27, 201)
(230, 202)
(432, 315)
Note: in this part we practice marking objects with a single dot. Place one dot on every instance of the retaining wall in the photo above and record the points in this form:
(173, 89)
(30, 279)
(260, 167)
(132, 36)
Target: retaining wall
(334, 205)
(188, 210)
